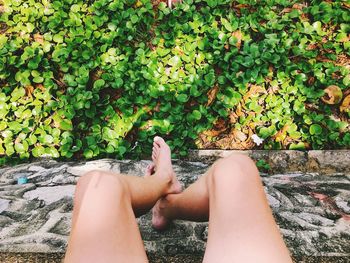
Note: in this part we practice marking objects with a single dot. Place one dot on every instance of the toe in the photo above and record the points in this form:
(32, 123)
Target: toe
(159, 140)
(150, 169)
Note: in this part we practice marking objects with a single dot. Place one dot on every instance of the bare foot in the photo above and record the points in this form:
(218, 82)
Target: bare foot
(159, 220)
(161, 156)
(150, 169)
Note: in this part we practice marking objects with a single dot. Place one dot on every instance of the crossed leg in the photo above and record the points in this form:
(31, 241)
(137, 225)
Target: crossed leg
(230, 195)
(104, 227)
(241, 224)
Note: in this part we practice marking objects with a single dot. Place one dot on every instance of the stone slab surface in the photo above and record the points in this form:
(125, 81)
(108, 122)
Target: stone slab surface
(318, 161)
(312, 210)
(58, 258)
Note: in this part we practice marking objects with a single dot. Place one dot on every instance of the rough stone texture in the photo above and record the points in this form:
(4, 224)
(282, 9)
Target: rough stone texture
(325, 162)
(58, 258)
(312, 209)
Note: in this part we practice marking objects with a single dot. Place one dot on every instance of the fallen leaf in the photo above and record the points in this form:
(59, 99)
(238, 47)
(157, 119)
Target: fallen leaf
(238, 35)
(212, 94)
(241, 136)
(296, 6)
(39, 38)
(232, 117)
(311, 80)
(220, 124)
(240, 6)
(239, 112)
(29, 90)
(311, 47)
(333, 95)
(347, 5)
(299, 6)
(254, 90)
(345, 106)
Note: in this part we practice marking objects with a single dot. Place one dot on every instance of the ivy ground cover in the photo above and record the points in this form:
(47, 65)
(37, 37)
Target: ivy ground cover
(101, 78)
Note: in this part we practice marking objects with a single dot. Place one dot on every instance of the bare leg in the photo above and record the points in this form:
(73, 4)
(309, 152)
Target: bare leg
(241, 225)
(104, 228)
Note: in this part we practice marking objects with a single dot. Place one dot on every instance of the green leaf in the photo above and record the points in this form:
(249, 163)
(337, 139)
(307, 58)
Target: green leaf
(209, 79)
(182, 98)
(48, 139)
(88, 153)
(51, 151)
(38, 79)
(315, 129)
(174, 61)
(212, 3)
(134, 19)
(38, 151)
(196, 115)
(346, 80)
(297, 146)
(98, 84)
(58, 38)
(17, 93)
(65, 125)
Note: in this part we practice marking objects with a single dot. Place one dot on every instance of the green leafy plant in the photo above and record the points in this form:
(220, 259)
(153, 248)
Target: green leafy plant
(98, 78)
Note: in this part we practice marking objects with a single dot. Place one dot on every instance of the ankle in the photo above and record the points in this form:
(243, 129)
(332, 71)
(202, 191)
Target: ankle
(165, 206)
(166, 177)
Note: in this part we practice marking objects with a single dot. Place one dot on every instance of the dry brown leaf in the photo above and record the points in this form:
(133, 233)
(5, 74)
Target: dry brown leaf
(212, 94)
(333, 95)
(238, 35)
(311, 47)
(29, 90)
(157, 107)
(232, 117)
(239, 112)
(304, 17)
(296, 6)
(345, 106)
(336, 75)
(39, 38)
(347, 5)
(254, 90)
(239, 135)
(299, 6)
(240, 6)
(248, 144)
(342, 60)
(311, 80)
(286, 10)
(220, 124)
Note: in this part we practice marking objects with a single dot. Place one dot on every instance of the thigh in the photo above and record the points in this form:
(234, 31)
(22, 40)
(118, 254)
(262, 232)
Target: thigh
(104, 226)
(241, 225)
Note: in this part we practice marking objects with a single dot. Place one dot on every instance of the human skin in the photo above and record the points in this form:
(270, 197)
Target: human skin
(230, 195)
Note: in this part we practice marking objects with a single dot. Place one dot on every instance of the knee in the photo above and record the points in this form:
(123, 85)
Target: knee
(98, 179)
(235, 163)
(235, 168)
